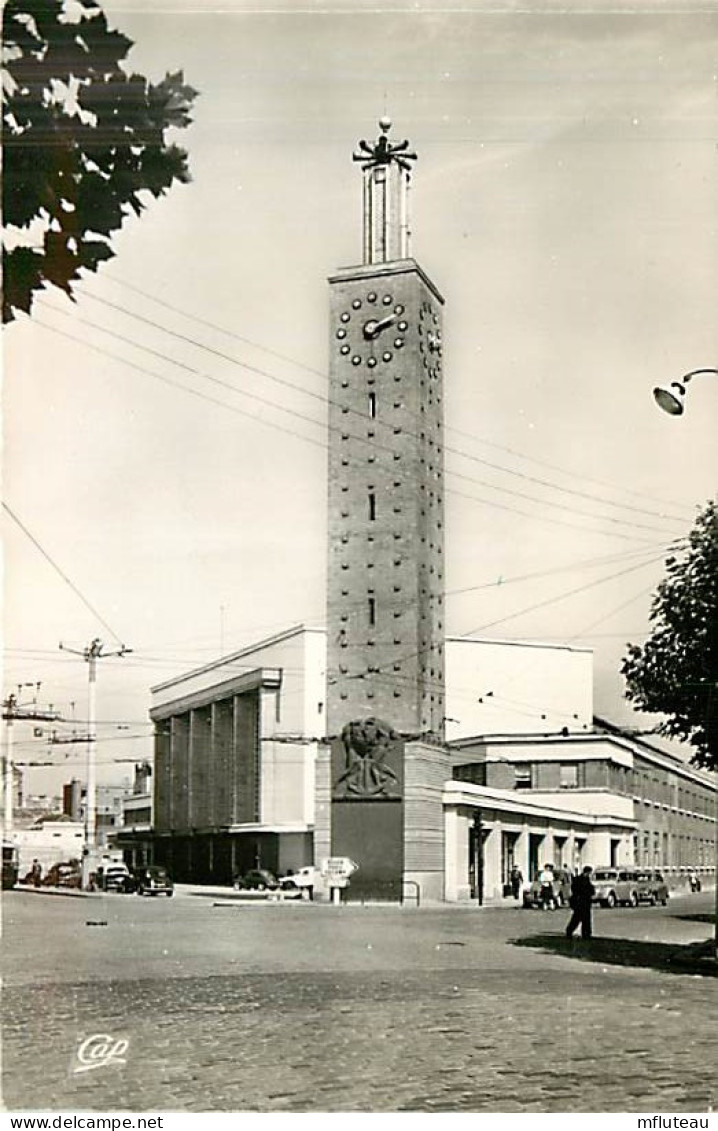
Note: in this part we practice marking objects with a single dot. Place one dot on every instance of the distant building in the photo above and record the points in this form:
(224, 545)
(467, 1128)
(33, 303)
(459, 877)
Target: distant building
(108, 807)
(17, 800)
(50, 841)
(73, 795)
(133, 835)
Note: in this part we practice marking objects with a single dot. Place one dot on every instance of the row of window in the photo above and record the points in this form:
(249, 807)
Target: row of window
(673, 848)
(620, 779)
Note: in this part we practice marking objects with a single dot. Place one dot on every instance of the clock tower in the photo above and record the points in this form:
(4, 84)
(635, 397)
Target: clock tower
(385, 599)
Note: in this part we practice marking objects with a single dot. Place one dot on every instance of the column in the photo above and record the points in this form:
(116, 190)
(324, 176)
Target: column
(521, 852)
(493, 880)
(456, 856)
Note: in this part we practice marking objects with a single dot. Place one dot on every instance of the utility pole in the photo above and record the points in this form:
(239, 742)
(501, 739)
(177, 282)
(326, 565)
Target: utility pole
(91, 654)
(13, 710)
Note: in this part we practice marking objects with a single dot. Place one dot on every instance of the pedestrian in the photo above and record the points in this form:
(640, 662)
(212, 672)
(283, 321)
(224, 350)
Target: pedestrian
(547, 898)
(36, 872)
(582, 893)
(516, 880)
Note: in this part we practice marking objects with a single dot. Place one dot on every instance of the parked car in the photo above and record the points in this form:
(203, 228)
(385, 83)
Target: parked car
(652, 887)
(561, 890)
(64, 875)
(115, 877)
(615, 886)
(257, 879)
(296, 883)
(153, 880)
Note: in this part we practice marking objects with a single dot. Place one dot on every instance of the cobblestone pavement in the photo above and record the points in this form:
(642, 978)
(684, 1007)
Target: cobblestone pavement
(299, 1008)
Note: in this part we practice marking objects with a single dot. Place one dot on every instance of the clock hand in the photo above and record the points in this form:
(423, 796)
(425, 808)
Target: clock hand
(373, 328)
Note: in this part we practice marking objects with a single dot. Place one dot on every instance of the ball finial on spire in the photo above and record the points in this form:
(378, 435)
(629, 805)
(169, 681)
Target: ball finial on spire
(385, 123)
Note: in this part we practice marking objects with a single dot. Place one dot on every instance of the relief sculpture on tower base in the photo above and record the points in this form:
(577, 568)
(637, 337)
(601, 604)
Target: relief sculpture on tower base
(368, 773)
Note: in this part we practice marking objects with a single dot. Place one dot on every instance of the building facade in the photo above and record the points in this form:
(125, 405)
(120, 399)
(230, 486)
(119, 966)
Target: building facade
(235, 751)
(471, 808)
(603, 799)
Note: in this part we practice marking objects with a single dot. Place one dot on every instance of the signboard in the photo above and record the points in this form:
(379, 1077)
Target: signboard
(337, 870)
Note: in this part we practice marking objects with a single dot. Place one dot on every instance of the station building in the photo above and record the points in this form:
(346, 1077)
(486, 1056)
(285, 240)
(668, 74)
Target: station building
(243, 776)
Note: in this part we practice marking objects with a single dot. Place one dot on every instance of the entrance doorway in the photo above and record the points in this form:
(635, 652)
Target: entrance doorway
(535, 842)
(508, 859)
(477, 838)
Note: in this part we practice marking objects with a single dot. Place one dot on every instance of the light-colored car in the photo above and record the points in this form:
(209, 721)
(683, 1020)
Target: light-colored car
(115, 877)
(615, 886)
(652, 887)
(299, 882)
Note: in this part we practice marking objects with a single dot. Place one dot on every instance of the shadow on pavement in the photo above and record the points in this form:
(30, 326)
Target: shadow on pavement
(695, 918)
(669, 958)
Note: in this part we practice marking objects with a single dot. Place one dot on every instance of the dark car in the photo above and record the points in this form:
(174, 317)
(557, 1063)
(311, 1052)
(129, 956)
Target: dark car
(153, 881)
(64, 875)
(561, 890)
(652, 887)
(257, 879)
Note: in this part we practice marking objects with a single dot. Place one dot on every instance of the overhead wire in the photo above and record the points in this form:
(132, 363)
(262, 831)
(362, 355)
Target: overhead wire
(380, 668)
(326, 400)
(325, 446)
(78, 592)
(321, 373)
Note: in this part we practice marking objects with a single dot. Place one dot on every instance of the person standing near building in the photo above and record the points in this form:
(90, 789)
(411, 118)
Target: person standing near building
(516, 879)
(547, 897)
(582, 893)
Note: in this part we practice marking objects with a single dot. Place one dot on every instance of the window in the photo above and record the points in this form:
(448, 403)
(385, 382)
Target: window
(372, 405)
(372, 610)
(522, 777)
(372, 506)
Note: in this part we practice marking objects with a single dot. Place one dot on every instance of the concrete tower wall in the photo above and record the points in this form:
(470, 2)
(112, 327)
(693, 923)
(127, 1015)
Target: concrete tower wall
(386, 530)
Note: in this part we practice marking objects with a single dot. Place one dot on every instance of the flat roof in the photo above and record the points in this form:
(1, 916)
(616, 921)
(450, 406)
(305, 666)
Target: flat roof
(249, 650)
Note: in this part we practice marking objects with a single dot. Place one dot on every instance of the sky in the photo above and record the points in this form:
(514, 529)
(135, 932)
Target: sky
(164, 436)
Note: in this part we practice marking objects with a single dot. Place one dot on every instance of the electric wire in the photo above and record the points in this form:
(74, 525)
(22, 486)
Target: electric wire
(457, 431)
(381, 668)
(328, 401)
(63, 575)
(323, 445)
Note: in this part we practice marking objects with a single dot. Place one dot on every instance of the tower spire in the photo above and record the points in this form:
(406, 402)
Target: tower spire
(387, 176)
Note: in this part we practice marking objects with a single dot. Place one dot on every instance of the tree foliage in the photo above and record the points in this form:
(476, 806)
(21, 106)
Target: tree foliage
(82, 139)
(675, 673)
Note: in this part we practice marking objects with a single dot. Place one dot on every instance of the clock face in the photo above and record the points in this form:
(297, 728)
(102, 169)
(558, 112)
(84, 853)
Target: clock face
(371, 330)
(430, 343)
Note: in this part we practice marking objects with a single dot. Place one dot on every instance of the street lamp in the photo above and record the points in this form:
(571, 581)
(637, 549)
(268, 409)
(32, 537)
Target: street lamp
(672, 403)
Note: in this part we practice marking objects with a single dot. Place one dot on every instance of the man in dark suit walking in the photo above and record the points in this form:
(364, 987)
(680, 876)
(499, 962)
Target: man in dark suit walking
(582, 892)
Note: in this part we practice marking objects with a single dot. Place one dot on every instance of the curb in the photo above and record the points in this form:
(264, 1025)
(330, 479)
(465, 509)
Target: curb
(72, 893)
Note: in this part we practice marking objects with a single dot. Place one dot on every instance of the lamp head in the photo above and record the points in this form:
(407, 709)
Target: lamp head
(672, 403)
